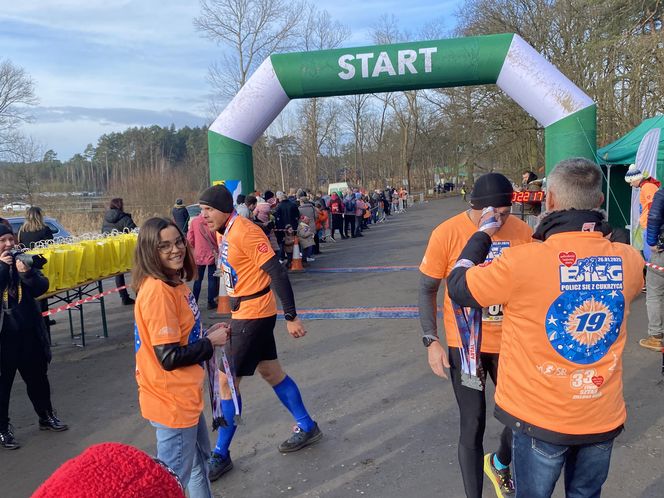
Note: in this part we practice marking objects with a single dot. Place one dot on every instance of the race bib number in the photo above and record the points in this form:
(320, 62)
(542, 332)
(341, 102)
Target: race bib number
(229, 283)
(492, 314)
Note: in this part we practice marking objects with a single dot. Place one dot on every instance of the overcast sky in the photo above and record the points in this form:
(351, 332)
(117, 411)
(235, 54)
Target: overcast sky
(105, 65)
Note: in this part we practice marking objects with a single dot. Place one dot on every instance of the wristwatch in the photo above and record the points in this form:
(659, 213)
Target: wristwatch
(289, 317)
(427, 340)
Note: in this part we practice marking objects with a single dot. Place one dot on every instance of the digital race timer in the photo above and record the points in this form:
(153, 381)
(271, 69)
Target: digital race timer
(528, 196)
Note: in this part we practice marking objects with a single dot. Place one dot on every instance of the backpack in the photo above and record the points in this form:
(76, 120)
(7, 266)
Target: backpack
(350, 205)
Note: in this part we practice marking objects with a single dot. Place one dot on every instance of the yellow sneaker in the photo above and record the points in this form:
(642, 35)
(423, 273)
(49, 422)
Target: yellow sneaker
(653, 343)
(501, 479)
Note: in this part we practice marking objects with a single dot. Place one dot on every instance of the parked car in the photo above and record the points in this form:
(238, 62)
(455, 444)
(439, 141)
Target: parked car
(193, 210)
(16, 206)
(56, 227)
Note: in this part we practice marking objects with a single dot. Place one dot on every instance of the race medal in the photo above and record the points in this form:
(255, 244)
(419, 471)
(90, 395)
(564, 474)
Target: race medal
(472, 381)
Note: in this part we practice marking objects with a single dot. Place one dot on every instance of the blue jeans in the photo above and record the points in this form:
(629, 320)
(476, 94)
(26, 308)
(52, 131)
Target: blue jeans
(213, 283)
(537, 466)
(186, 451)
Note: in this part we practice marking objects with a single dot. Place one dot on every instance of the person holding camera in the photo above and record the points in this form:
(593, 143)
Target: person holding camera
(24, 345)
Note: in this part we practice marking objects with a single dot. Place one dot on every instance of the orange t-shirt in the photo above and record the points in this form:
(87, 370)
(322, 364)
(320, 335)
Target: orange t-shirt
(445, 244)
(566, 303)
(164, 315)
(248, 250)
(646, 194)
(321, 220)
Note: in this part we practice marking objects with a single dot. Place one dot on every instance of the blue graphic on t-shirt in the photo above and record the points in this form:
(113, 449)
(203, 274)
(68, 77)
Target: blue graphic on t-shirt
(195, 333)
(585, 320)
(137, 339)
(496, 249)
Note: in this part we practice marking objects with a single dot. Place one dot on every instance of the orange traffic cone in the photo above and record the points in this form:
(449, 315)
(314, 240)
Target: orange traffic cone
(296, 264)
(223, 301)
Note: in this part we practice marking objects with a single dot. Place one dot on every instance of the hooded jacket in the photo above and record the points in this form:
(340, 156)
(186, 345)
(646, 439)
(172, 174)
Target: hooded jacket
(115, 219)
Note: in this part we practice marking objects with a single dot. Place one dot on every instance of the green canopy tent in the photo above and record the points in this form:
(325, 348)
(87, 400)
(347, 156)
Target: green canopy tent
(615, 158)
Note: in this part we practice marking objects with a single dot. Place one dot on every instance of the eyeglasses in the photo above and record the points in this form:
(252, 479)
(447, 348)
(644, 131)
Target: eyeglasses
(167, 246)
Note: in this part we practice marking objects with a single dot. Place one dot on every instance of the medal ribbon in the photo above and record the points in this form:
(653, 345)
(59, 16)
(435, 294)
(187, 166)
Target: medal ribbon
(215, 396)
(231, 384)
(469, 327)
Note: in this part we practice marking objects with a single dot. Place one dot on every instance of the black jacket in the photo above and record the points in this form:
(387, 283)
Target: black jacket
(22, 320)
(655, 218)
(114, 219)
(29, 238)
(181, 218)
(287, 213)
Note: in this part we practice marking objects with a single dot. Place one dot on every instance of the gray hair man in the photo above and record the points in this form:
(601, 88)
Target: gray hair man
(566, 302)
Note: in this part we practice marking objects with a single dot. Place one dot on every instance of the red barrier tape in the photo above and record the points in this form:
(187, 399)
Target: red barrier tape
(82, 301)
(655, 267)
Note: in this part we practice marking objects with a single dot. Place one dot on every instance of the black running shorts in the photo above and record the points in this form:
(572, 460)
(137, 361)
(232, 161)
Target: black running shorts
(251, 342)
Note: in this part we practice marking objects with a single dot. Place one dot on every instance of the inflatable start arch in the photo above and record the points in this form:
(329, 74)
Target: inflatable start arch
(567, 114)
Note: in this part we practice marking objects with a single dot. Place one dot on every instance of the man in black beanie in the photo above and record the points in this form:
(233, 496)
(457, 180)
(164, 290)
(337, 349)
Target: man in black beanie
(445, 244)
(250, 272)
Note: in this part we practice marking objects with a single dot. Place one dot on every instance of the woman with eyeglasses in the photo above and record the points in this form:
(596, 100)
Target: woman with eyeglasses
(171, 347)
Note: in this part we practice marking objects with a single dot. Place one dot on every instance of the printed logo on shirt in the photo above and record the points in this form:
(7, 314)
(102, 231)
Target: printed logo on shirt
(550, 369)
(584, 321)
(494, 313)
(262, 248)
(496, 249)
(137, 339)
(586, 383)
(195, 333)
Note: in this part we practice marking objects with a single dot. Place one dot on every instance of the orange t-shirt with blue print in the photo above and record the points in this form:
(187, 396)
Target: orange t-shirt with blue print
(248, 250)
(566, 302)
(165, 314)
(445, 245)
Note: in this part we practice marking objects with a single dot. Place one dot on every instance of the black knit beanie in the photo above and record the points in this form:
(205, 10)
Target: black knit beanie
(5, 230)
(492, 189)
(218, 197)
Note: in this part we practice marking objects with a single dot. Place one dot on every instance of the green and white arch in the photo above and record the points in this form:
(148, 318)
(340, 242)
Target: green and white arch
(567, 114)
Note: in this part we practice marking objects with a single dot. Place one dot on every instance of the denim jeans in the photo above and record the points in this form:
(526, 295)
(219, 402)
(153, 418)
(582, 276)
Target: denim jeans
(537, 466)
(213, 283)
(186, 451)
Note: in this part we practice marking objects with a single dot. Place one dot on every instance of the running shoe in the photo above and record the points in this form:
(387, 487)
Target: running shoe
(299, 439)
(219, 466)
(501, 479)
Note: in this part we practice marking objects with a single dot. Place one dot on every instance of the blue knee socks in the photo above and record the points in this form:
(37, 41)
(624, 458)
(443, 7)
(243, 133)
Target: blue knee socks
(289, 395)
(226, 433)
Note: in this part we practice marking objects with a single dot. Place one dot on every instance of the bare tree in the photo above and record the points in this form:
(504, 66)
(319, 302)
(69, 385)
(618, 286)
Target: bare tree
(251, 30)
(318, 32)
(26, 153)
(17, 93)
(357, 118)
